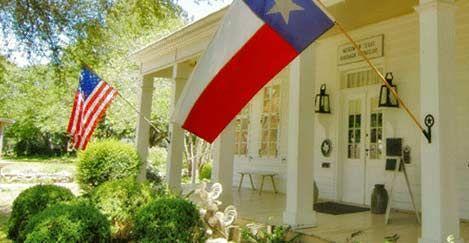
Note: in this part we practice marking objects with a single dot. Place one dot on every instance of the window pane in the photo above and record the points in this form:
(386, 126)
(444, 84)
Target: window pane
(358, 120)
(373, 120)
(351, 121)
(357, 136)
(373, 136)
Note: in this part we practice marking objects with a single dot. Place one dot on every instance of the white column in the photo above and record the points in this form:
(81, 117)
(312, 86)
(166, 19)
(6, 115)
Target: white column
(181, 73)
(437, 84)
(222, 170)
(143, 128)
(299, 206)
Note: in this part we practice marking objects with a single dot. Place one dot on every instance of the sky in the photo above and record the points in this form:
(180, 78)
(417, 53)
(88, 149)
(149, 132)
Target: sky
(195, 11)
(202, 9)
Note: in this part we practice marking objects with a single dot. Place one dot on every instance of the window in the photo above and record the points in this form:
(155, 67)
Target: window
(355, 79)
(354, 129)
(241, 132)
(376, 131)
(270, 121)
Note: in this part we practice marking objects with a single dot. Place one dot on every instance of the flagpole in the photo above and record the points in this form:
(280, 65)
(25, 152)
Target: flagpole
(375, 69)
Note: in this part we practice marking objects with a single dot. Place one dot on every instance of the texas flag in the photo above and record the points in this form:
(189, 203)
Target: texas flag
(256, 40)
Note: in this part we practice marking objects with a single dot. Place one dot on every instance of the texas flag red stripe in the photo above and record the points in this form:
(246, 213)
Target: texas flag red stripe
(238, 81)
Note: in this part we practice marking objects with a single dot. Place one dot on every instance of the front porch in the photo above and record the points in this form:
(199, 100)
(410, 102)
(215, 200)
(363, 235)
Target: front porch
(281, 133)
(268, 209)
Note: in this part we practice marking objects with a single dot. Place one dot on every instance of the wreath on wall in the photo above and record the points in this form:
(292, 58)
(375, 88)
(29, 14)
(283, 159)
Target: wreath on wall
(326, 147)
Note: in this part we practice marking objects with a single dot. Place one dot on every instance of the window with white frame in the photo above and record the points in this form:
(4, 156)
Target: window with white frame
(241, 131)
(360, 78)
(270, 121)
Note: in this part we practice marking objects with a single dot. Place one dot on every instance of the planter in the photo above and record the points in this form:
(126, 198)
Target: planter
(379, 199)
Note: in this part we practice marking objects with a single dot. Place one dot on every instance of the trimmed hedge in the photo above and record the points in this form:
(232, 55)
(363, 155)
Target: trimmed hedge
(104, 161)
(74, 222)
(169, 220)
(32, 201)
(119, 200)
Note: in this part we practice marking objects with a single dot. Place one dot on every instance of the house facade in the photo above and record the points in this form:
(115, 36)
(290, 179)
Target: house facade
(424, 44)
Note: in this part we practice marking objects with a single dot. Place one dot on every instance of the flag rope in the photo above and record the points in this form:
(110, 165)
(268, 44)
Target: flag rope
(381, 76)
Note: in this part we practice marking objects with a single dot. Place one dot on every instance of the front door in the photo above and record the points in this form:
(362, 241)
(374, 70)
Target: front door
(363, 163)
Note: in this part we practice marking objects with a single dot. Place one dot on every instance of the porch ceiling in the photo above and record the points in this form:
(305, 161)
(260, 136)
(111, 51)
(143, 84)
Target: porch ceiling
(354, 14)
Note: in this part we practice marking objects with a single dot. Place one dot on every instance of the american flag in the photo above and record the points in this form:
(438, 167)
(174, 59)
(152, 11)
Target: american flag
(92, 98)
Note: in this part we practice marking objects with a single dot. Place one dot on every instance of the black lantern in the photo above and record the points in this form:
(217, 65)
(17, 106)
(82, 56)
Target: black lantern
(386, 98)
(321, 103)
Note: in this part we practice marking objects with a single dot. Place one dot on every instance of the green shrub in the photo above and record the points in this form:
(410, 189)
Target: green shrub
(73, 222)
(119, 200)
(32, 201)
(206, 171)
(169, 220)
(104, 161)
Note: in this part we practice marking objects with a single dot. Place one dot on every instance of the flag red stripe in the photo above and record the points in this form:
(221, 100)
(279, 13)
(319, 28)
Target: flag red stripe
(238, 81)
(98, 116)
(72, 116)
(86, 121)
(92, 99)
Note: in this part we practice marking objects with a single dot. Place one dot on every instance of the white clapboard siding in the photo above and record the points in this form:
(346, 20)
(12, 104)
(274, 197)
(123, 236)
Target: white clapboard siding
(401, 58)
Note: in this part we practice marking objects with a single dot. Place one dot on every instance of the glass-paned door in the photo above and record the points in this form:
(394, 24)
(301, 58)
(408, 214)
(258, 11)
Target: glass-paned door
(363, 164)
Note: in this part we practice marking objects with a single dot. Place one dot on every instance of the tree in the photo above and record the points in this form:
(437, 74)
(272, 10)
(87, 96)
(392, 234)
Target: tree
(197, 153)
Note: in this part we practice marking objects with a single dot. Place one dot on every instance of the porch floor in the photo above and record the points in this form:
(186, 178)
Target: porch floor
(268, 208)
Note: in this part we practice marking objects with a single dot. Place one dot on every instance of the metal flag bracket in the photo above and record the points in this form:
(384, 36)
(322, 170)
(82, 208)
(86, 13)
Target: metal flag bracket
(429, 122)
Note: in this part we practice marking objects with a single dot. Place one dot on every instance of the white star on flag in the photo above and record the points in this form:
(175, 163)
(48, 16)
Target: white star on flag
(284, 8)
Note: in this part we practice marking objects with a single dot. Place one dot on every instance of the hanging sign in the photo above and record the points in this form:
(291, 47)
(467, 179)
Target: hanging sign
(373, 47)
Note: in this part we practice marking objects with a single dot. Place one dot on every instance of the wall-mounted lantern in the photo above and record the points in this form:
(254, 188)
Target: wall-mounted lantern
(386, 98)
(322, 103)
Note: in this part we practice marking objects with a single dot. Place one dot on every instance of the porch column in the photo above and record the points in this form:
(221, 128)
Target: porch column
(437, 84)
(143, 128)
(222, 171)
(181, 73)
(299, 205)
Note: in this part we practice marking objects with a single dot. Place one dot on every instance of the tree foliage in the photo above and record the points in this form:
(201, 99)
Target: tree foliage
(99, 33)
(48, 27)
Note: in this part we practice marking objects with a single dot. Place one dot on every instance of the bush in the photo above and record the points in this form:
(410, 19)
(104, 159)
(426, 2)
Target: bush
(119, 200)
(32, 201)
(104, 161)
(74, 222)
(206, 171)
(169, 220)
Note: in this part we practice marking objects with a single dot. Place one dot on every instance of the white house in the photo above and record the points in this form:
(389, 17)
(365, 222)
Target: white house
(424, 43)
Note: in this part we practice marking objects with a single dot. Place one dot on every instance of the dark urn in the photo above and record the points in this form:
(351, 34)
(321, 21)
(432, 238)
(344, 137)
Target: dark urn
(379, 199)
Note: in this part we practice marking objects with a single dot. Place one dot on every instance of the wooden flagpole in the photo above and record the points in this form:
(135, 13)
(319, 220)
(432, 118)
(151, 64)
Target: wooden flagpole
(375, 69)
